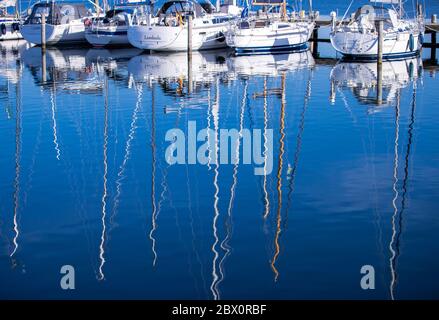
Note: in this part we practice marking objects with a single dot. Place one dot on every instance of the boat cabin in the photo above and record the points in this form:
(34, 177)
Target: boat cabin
(186, 7)
(117, 15)
(366, 16)
(57, 13)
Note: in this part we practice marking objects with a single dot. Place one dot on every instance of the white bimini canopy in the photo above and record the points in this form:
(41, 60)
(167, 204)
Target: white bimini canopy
(7, 3)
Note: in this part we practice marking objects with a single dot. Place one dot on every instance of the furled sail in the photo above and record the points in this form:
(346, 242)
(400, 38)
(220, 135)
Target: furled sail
(7, 3)
(267, 2)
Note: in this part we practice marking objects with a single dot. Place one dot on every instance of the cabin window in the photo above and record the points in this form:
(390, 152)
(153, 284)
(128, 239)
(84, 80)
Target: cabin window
(244, 25)
(37, 12)
(260, 24)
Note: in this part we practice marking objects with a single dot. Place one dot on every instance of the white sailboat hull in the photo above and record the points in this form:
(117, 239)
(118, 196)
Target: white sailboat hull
(167, 38)
(270, 38)
(55, 34)
(358, 45)
(107, 36)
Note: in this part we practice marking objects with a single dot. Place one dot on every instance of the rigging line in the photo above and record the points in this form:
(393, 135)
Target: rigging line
(193, 234)
(251, 126)
(405, 181)
(229, 225)
(215, 114)
(120, 174)
(18, 131)
(153, 170)
(266, 200)
(395, 198)
(298, 147)
(208, 130)
(104, 194)
(55, 134)
(376, 210)
(279, 181)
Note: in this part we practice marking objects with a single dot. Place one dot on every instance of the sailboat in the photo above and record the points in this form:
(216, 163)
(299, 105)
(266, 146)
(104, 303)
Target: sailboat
(277, 28)
(364, 80)
(358, 39)
(65, 22)
(111, 29)
(9, 23)
(168, 30)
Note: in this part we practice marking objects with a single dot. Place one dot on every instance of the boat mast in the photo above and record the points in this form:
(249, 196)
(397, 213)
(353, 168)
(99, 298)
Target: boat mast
(17, 9)
(284, 10)
(97, 6)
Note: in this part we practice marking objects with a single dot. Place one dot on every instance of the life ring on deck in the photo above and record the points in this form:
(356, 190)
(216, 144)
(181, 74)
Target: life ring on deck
(3, 28)
(411, 42)
(87, 22)
(15, 26)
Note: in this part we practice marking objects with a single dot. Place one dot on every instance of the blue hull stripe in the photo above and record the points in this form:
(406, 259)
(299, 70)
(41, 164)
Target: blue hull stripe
(108, 33)
(393, 56)
(250, 50)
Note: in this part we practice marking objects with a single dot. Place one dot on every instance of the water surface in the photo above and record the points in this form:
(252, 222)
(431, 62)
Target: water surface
(84, 180)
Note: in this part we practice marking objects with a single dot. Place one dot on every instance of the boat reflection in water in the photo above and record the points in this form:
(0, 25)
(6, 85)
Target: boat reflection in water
(275, 69)
(65, 69)
(11, 101)
(77, 70)
(372, 86)
(95, 117)
(270, 65)
(175, 73)
(10, 53)
(197, 82)
(380, 87)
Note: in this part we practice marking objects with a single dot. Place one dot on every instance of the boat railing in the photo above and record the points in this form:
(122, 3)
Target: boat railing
(261, 19)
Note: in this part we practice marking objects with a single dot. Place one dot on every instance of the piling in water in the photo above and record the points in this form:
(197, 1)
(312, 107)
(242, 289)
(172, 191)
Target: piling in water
(43, 66)
(379, 83)
(315, 42)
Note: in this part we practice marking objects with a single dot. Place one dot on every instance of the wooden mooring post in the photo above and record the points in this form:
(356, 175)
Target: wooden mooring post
(315, 42)
(43, 31)
(433, 40)
(380, 29)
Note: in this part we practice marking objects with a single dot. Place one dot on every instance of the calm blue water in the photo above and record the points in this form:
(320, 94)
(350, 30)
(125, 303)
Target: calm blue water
(84, 180)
